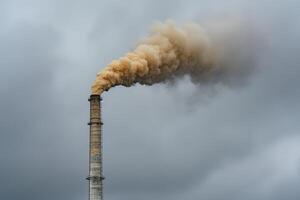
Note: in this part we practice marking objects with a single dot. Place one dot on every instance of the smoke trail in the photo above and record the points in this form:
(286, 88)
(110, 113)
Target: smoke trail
(169, 52)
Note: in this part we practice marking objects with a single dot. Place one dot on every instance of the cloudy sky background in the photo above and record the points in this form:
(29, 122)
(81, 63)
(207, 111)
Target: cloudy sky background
(161, 142)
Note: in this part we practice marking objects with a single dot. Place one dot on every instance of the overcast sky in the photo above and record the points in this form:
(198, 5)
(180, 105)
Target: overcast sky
(161, 142)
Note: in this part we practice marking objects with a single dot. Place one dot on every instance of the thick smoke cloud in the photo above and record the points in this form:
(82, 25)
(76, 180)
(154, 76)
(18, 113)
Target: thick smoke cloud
(170, 51)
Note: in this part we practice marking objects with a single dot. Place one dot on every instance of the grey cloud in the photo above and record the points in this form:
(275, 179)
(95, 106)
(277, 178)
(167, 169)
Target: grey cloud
(160, 142)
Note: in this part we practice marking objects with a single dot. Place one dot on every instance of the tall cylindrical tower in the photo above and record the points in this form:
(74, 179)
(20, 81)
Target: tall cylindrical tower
(95, 153)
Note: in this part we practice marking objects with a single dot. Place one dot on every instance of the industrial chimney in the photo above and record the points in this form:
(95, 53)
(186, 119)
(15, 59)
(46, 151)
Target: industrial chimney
(95, 152)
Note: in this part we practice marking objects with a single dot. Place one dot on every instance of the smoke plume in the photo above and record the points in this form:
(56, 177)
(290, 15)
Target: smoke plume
(220, 53)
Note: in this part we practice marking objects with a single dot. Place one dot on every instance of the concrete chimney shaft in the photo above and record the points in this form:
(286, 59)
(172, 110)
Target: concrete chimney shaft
(95, 153)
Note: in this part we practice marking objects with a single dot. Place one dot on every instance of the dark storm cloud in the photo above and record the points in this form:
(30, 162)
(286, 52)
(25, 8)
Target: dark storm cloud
(27, 64)
(160, 142)
(31, 146)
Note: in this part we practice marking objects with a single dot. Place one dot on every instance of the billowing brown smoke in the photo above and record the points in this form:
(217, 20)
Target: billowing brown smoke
(168, 52)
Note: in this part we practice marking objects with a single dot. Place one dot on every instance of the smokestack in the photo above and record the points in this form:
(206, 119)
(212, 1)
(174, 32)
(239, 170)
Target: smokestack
(95, 152)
